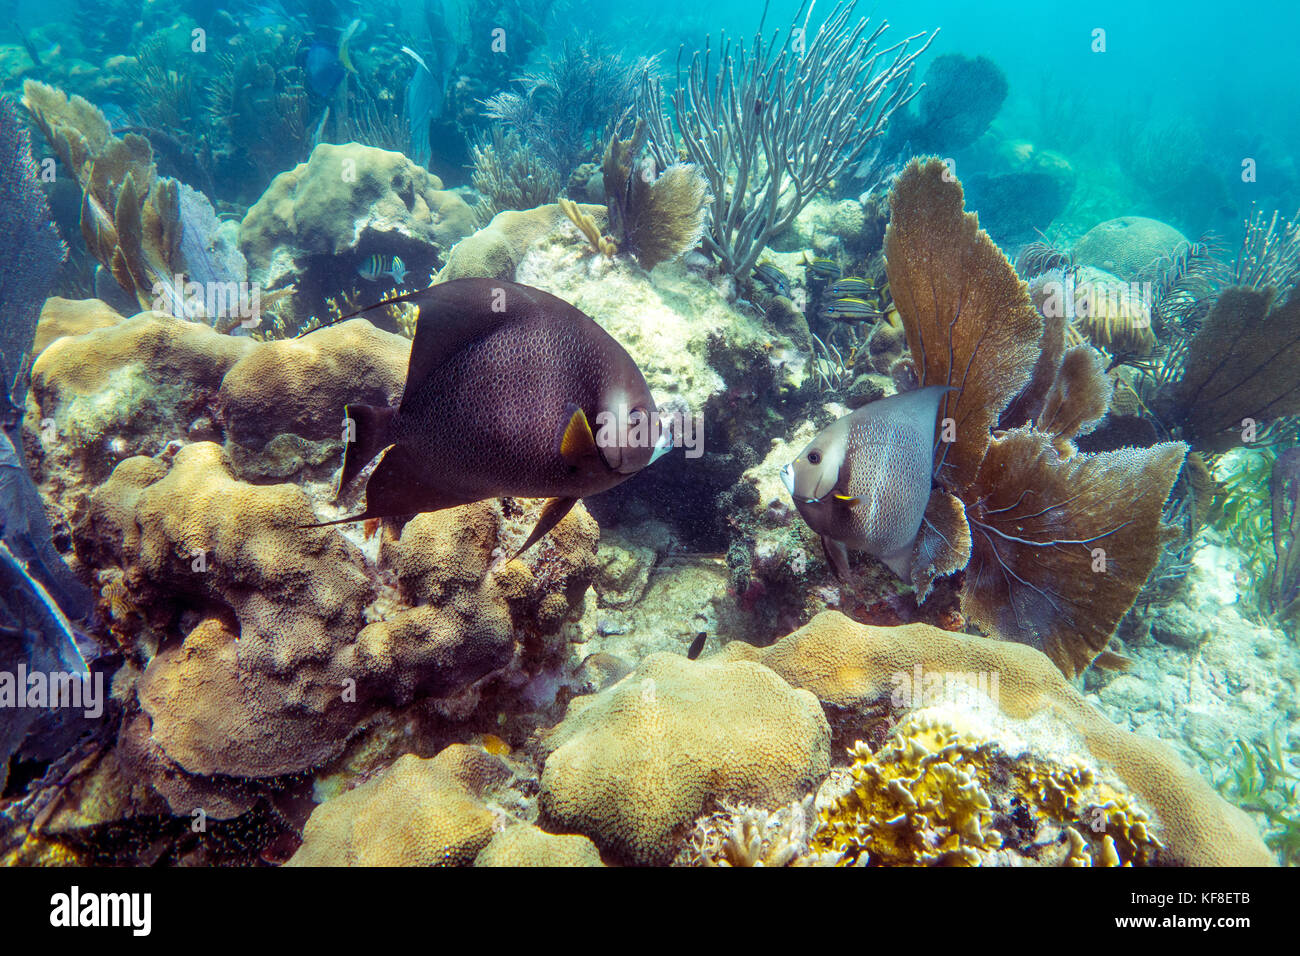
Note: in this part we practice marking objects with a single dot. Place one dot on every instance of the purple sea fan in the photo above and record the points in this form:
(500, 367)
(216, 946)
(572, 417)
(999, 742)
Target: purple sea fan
(30, 255)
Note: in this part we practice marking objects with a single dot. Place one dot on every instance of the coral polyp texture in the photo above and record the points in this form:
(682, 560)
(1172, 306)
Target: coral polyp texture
(634, 765)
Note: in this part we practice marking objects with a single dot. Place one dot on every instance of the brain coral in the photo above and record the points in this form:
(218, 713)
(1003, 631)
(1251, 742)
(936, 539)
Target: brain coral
(633, 766)
(496, 250)
(285, 395)
(255, 688)
(123, 388)
(860, 668)
(60, 317)
(418, 812)
(1127, 246)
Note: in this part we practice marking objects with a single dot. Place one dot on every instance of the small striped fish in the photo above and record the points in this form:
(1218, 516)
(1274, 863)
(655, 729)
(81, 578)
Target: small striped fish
(851, 310)
(376, 267)
(822, 268)
(773, 278)
(850, 285)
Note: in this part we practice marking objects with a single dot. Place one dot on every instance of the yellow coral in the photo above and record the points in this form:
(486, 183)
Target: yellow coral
(937, 796)
(918, 802)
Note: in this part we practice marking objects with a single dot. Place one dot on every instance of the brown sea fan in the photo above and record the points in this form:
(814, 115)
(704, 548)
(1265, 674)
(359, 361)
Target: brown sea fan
(1059, 542)
(1240, 365)
(656, 218)
(1061, 546)
(968, 317)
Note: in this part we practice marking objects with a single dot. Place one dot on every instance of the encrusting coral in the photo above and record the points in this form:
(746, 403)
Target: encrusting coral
(1061, 542)
(932, 795)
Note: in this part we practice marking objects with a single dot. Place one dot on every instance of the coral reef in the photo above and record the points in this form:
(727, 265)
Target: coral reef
(1128, 246)
(130, 218)
(862, 674)
(772, 127)
(655, 218)
(508, 175)
(570, 103)
(932, 795)
(633, 766)
(1239, 368)
(496, 250)
(257, 649)
(416, 813)
(526, 845)
(743, 836)
(961, 96)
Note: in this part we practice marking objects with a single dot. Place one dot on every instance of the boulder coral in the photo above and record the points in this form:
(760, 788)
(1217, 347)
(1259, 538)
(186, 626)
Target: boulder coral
(255, 647)
(633, 766)
(525, 845)
(863, 674)
(280, 668)
(324, 217)
(153, 378)
(418, 812)
(1129, 246)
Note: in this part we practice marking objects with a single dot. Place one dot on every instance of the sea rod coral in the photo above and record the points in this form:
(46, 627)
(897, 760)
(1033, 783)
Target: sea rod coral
(770, 126)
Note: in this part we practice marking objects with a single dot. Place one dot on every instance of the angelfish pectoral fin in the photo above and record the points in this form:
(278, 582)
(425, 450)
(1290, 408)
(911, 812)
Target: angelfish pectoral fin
(577, 443)
(553, 513)
(837, 555)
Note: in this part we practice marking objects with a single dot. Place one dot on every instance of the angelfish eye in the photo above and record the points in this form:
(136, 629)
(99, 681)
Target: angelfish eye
(814, 458)
(636, 415)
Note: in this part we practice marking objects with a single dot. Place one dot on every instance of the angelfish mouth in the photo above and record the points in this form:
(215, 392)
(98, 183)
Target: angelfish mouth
(787, 479)
(665, 442)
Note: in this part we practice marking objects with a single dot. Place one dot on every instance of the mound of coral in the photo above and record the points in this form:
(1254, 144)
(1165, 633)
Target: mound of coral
(255, 649)
(345, 204)
(980, 705)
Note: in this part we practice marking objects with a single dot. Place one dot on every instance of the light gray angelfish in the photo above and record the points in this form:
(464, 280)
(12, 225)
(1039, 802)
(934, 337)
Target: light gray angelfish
(864, 481)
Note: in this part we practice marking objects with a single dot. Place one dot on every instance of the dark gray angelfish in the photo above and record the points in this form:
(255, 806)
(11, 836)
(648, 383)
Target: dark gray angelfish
(510, 391)
(864, 481)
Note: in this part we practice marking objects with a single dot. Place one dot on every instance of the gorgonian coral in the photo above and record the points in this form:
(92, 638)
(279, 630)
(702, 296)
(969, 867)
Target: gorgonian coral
(1060, 542)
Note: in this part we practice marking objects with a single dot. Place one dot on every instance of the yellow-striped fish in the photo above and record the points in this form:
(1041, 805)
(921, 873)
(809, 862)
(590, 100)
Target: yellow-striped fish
(376, 267)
